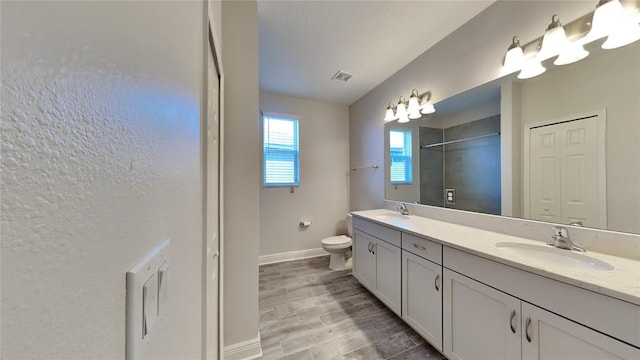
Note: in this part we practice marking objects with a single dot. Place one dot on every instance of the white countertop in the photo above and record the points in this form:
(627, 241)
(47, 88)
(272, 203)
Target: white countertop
(623, 282)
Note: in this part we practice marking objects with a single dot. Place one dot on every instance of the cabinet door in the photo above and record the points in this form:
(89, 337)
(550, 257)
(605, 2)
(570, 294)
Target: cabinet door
(479, 321)
(388, 274)
(422, 298)
(363, 260)
(548, 336)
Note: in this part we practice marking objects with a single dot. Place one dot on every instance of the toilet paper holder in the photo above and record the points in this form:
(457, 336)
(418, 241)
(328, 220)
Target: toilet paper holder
(305, 223)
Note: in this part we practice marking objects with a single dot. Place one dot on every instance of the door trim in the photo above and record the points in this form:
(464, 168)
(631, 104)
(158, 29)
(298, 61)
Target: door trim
(212, 41)
(601, 122)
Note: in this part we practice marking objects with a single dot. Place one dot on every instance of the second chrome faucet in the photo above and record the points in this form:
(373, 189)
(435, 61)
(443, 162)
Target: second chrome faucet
(403, 209)
(561, 240)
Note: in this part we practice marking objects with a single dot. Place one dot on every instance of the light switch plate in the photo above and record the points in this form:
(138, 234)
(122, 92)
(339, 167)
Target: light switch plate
(143, 300)
(163, 288)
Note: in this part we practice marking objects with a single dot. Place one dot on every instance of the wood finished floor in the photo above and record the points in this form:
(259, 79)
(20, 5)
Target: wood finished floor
(310, 312)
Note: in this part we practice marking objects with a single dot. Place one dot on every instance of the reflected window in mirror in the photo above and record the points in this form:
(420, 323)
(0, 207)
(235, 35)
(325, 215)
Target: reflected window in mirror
(400, 155)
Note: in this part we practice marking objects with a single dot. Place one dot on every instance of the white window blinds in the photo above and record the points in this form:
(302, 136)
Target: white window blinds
(401, 166)
(281, 162)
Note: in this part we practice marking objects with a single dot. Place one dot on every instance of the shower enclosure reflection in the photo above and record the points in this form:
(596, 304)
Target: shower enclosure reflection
(460, 166)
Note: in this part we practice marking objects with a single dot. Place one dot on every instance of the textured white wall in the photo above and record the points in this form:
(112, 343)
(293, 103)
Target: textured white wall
(100, 163)
(467, 58)
(242, 170)
(592, 84)
(324, 169)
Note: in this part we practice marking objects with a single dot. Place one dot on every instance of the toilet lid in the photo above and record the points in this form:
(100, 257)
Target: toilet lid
(337, 240)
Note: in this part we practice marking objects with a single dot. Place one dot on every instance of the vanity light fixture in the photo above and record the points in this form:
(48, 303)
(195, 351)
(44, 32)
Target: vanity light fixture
(404, 110)
(514, 59)
(554, 40)
(611, 20)
(573, 52)
(531, 68)
(625, 32)
(426, 107)
(414, 105)
(401, 111)
(390, 115)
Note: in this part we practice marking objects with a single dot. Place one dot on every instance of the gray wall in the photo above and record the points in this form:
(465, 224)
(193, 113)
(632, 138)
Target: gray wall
(431, 167)
(241, 171)
(472, 167)
(101, 162)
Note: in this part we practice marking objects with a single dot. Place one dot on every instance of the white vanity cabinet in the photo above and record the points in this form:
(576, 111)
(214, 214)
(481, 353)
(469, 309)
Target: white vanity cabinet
(549, 336)
(472, 304)
(422, 287)
(377, 261)
(479, 322)
(482, 321)
(363, 260)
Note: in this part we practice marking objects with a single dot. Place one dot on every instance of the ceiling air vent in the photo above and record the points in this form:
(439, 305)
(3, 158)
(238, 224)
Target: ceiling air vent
(342, 76)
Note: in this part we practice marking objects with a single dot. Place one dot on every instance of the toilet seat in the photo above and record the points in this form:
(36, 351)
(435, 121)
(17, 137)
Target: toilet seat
(337, 242)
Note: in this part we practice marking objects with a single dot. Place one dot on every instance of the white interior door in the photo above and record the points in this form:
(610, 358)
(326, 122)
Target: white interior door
(566, 173)
(546, 203)
(579, 172)
(212, 211)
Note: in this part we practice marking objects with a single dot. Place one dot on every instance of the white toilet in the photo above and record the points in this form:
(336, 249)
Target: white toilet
(339, 247)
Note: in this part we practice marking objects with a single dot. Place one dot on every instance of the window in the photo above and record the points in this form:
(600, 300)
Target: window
(400, 155)
(281, 151)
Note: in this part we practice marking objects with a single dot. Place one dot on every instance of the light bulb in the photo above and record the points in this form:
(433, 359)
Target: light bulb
(414, 106)
(531, 68)
(389, 116)
(605, 19)
(554, 40)
(624, 32)
(572, 53)
(514, 58)
(401, 112)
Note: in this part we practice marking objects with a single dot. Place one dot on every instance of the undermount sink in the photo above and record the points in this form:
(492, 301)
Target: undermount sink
(554, 257)
(391, 216)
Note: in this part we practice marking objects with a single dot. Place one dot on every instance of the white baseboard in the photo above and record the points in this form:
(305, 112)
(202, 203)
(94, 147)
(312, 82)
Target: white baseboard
(246, 350)
(292, 255)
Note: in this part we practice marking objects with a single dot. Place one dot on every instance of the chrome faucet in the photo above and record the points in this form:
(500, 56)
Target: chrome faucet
(560, 239)
(403, 209)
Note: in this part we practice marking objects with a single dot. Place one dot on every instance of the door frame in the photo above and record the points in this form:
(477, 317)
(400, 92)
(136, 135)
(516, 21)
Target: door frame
(212, 41)
(601, 125)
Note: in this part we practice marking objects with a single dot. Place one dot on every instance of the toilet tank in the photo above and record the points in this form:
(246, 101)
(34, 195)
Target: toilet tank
(350, 225)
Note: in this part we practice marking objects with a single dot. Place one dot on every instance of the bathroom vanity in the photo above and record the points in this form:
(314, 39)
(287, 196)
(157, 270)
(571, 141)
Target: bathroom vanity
(473, 293)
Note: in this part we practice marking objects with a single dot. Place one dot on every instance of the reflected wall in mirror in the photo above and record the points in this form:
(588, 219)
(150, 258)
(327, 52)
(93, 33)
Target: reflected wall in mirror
(606, 83)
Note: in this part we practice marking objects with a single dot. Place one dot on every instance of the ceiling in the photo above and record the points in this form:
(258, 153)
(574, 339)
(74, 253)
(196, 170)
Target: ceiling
(302, 44)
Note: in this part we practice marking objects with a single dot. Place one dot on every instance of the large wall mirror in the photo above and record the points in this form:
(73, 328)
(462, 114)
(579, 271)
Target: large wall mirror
(563, 147)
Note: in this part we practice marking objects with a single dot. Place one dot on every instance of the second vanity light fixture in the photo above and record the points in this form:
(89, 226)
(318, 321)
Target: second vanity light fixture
(417, 105)
(609, 20)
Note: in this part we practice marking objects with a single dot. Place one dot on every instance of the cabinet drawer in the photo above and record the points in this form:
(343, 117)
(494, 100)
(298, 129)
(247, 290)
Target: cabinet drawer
(387, 234)
(422, 247)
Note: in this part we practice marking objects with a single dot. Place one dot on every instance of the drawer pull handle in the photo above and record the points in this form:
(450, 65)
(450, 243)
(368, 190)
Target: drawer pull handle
(419, 247)
(513, 316)
(435, 283)
(526, 329)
